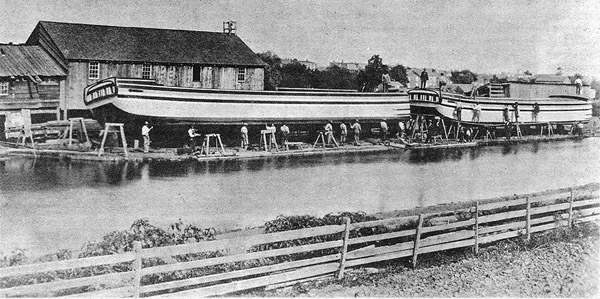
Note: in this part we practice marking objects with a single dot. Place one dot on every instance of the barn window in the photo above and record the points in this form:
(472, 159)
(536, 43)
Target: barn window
(196, 73)
(241, 74)
(3, 88)
(146, 71)
(94, 70)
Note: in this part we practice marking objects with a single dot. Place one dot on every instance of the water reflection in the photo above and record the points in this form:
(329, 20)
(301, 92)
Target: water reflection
(46, 203)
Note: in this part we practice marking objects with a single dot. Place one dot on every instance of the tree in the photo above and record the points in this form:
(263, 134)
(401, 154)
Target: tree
(334, 77)
(463, 77)
(272, 70)
(296, 75)
(398, 73)
(370, 77)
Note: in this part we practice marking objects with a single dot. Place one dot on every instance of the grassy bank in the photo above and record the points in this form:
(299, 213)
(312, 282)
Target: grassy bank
(560, 263)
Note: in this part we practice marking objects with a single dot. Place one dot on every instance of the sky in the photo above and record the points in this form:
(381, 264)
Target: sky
(479, 35)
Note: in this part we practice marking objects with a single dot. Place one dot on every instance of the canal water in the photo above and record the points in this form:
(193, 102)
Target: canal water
(49, 205)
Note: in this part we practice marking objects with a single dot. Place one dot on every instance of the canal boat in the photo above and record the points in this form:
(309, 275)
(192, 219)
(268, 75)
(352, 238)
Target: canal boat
(146, 98)
(555, 109)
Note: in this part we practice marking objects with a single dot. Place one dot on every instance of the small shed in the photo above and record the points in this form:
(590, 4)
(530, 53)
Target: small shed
(29, 79)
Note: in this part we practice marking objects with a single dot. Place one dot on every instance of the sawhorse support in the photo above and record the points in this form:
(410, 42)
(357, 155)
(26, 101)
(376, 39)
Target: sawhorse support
(206, 144)
(549, 127)
(322, 138)
(519, 135)
(69, 129)
(267, 139)
(107, 129)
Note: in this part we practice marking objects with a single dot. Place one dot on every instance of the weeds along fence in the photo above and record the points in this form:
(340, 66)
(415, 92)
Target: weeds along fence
(224, 266)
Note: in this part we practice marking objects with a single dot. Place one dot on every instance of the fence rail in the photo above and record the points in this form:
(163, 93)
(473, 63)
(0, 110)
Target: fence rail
(285, 257)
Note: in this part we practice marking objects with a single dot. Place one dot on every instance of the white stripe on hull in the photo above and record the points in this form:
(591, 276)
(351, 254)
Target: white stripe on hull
(236, 112)
(219, 106)
(552, 110)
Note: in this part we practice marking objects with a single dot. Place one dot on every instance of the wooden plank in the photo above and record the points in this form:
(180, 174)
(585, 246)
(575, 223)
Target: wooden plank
(384, 222)
(344, 248)
(447, 246)
(590, 211)
(453, 225)
(67, 264)
(378, 258)
(551, 197)
(243, 242)
(502, 204)
(501, 216)
(550, 208)
(500, 236)
(239, 273)
(587, 219)
(241, 257)
(112, 293)
(505, 226)
(447, 237)
(588, 202)
(231, 287)
(380, 237)
(417, 237)
(362, 253)
(108, 279)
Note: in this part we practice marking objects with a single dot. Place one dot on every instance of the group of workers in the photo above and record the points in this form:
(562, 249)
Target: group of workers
(284, 132)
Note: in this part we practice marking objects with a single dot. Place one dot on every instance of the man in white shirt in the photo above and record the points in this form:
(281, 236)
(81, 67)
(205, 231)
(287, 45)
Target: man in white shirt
(244, 136)
(146, 136)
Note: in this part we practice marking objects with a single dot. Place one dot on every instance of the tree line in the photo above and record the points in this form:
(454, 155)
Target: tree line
(297, 75)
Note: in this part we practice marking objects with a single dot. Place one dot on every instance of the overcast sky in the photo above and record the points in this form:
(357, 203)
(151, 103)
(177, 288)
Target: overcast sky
(483, 36)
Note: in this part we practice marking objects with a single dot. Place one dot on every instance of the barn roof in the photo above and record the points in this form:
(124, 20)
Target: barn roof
(27, 61)
(136, 44)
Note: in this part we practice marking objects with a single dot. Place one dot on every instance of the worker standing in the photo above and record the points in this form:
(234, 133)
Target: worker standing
(476, 113)
(285, 131)
(193, 135)
(535, 112)
(344, 133)
(146, 136)
(329, 132)
(244, 136)
(385, 81)
(357, 129)
(384, 129)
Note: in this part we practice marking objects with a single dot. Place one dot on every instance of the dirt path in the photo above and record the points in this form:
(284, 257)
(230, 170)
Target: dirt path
(567, 268)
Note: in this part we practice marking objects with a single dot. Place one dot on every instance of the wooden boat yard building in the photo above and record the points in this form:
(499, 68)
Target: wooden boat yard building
(29, 79)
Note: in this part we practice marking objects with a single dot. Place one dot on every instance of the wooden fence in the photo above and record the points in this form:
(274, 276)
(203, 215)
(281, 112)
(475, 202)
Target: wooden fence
(225, 266)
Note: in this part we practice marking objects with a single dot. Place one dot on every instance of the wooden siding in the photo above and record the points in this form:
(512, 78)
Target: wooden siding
(25, 94)
(169, 75)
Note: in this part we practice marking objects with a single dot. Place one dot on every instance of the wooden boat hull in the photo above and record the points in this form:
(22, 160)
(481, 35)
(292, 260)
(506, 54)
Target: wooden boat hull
(559, 109)
(145, 98)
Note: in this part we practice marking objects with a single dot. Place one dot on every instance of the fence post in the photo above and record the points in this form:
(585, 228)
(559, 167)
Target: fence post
(137, 267)
(344, 247)
(476, 227)
(528, 219)
(417, 237)
(571, 209)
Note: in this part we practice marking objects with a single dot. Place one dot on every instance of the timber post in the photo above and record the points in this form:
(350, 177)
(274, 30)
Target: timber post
(417, 237)
(344, 247)
(528, 219)
(137, 267)
(571, 209)
(476, 247)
